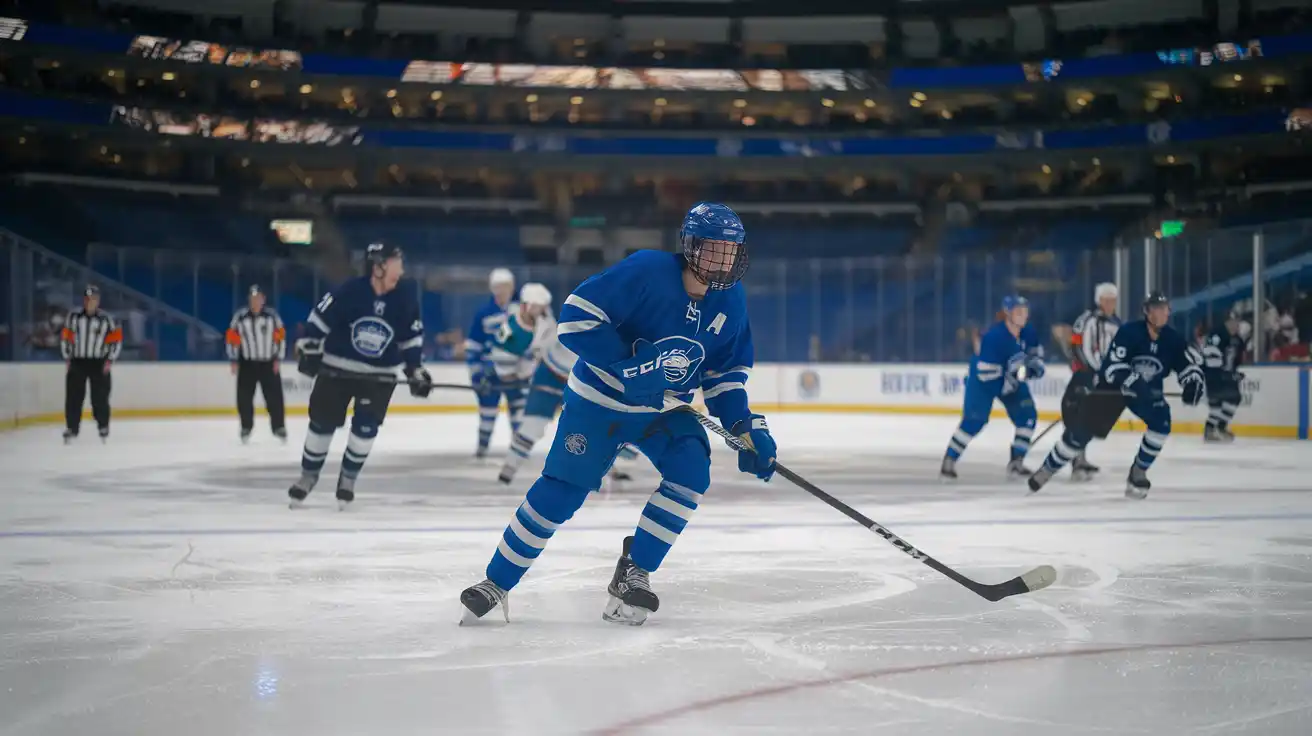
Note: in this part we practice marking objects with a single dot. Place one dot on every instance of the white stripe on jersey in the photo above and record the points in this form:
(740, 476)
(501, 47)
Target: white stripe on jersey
(256, 335)
(90, 336)
(1096, 331)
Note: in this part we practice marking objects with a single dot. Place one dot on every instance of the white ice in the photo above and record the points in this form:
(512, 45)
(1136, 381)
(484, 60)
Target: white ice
(158, 584)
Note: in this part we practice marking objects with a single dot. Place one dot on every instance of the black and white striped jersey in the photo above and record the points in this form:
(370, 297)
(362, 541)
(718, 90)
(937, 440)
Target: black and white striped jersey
(256, 335)
(91, 336)
(1092, 335)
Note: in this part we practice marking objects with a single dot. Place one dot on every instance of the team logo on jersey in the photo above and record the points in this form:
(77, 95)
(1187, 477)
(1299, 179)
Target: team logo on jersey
(680, 358)
(1147, 367)
(576, 444)
(370, 336)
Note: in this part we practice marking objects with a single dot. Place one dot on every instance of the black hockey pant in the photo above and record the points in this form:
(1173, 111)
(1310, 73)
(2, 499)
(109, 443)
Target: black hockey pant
(249, 374)
(82, 371)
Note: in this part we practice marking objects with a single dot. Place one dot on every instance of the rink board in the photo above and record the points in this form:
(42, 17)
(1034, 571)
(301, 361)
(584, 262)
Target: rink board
(1276, 398)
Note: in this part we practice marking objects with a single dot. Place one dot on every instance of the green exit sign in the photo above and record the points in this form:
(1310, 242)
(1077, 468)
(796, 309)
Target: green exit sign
(1171, 228)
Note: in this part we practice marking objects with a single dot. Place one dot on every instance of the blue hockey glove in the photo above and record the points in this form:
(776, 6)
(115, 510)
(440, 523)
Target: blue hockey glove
(1034, 368)
(309, 356)
(1192, 388)
(421, 382)
(756, 434)
(644, 381)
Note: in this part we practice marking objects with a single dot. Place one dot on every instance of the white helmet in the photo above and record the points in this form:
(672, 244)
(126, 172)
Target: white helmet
(535, 294)
(500, 276)
(1105, 290)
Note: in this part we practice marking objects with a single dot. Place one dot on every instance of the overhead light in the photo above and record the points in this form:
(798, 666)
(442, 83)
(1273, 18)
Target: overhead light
(576, 100)
(1170, 159)
(1047, 169)
(391, 94)
(827, 102)
(104, 150)
(740, 103)
(660, 102)
(1097, 162)
(118, 158)
(920, 96)
(437, 95)
(111, 73)
(916, 103)
(870, 103)
(530, 99)
(1081, 102)
(1239, 77)
(947, 114)
(306, 89)
(141, 83)
(255, 84)
(168, 76)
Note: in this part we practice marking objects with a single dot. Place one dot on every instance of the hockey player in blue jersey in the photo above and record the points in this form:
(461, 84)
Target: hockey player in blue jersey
(1009, 355)
(482, 373)
(1141, 355)
(1221, 356)
(363, 331)
(647, 331)
(550, 363)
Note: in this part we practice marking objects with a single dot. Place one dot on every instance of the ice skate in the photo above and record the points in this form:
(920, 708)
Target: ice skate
(245, 436)
(301, 488)
(345, 492)
(104, 435)
(1016, 469)
(1226, 435)
(281, 434)
(1082, 470)
(506, 476)
(1039, 479)
(1212, 434)
(478, 599)
(631, 597)
(948, 471)
(69, 436)
(1137, 485)
(480, 453)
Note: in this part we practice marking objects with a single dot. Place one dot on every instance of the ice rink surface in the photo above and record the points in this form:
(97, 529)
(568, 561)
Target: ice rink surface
(159, 584)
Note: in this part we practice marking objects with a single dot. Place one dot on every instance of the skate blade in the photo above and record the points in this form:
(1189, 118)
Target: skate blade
(343, 505)
(1137, 494)
(295, 503)
(619, 612)
(469, 618)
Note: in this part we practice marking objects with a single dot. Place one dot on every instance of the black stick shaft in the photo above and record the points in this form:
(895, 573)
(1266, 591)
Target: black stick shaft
(1021, 584)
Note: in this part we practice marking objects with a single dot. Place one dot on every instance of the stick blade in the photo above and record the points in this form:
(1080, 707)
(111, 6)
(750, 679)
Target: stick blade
(1039, 578)
(1036, 579)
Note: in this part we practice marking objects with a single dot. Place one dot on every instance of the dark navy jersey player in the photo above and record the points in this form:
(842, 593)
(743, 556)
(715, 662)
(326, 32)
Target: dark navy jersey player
(1138, 360)
(1222, 350)
(648, 332)
(363, 332)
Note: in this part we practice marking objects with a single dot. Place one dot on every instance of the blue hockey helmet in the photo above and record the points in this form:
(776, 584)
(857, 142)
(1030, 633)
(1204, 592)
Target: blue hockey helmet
(714, 244)
(1012, 301)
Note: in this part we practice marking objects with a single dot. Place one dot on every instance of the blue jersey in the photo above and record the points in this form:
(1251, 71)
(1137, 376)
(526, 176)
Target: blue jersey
(483, 331)
(1001, 354)
(706, 342)
(1134, 350)
(364, 332)
(1221, 353)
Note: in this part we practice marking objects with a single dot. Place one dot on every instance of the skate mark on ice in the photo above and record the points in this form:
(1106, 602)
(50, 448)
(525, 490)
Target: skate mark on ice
(665, 717)
(770, 646)
(729, 527)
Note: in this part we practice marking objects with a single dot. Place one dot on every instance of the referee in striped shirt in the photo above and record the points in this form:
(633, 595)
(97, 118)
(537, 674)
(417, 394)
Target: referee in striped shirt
(91, 341)
(255, 346)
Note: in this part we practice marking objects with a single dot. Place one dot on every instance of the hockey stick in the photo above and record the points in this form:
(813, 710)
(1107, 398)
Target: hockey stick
(1050, 427)
(395, 380)
(1036, 579)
